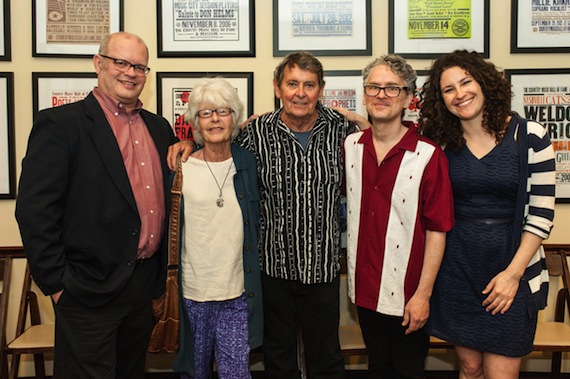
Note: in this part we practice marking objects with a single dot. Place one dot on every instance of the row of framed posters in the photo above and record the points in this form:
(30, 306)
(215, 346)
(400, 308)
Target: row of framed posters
(226, 28)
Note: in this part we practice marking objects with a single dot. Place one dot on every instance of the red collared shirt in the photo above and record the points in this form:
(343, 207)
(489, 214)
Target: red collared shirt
(390, 207)
(143, 169)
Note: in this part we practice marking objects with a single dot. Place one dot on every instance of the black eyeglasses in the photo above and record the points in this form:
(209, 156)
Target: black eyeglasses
(389, 91)
(221, 112)
(124, 66)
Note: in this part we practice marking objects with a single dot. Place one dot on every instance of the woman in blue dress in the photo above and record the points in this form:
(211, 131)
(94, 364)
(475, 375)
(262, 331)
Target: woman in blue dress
(493, 278)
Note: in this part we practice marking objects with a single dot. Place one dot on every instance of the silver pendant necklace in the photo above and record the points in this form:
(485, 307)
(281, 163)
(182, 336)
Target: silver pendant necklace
(220, 200)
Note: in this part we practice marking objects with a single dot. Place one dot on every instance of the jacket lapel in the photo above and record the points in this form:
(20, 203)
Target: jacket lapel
(106, 143)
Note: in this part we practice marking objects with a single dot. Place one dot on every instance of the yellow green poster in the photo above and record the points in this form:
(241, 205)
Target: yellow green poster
(428, 19)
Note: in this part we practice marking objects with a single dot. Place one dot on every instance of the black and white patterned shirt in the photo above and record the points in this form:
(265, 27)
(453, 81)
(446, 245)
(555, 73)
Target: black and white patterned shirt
(300, 193)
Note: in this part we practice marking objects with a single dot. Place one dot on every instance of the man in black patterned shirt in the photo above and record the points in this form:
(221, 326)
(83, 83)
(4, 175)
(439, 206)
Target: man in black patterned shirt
(299, 155)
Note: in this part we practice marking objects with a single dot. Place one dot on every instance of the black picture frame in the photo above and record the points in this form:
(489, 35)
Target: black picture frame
(7, 139)
(235, 40)
(543, 95)
(430, 48)
(51, 89)
(6, 38)
(93, 32)
(527, 38)
(173, 89)
(350, 33)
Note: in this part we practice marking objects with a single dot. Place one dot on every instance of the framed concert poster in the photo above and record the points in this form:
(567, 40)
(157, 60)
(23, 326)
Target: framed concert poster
(543, 95)
(421, 29)
(52, 89)
(412, 114)
(7, 143)
(174, 88)
(540, 27)
(5, 37)
(72, 28)
(343, 89)
(322, 27)
(206, 28)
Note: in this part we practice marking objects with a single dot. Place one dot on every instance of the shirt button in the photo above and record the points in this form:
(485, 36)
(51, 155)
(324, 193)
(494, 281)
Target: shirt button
(147, 187)
(142, 163)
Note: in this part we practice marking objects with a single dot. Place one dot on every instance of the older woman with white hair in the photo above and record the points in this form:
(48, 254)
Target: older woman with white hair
(220, 288)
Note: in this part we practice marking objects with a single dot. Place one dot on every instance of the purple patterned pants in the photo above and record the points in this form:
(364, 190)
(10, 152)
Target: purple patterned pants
(220, 327)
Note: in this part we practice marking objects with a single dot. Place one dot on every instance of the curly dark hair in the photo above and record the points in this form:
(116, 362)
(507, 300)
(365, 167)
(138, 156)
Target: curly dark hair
(444, 128)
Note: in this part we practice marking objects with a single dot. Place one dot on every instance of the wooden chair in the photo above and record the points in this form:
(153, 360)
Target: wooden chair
(37, 339)
(554, 336)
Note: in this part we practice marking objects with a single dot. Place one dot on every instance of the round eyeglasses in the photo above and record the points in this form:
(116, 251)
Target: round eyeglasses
(390, 91)
(221, 112)
(124, 66)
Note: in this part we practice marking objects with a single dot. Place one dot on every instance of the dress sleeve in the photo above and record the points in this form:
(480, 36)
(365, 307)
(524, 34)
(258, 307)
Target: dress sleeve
(541, 182)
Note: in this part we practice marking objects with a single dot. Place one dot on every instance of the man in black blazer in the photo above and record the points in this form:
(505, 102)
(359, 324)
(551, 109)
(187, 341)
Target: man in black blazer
(92, 208)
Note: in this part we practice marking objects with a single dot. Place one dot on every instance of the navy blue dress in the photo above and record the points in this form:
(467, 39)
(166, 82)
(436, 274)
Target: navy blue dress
(476, 252)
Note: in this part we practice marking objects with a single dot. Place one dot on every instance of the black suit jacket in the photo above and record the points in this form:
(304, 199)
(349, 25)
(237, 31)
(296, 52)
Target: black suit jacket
(75, 208)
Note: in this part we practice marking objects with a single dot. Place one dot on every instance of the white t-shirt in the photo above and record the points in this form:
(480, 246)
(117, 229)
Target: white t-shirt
(212, 252)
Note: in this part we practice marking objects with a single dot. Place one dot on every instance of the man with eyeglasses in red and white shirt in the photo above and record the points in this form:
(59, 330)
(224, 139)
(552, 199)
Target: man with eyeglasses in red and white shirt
(399, 208)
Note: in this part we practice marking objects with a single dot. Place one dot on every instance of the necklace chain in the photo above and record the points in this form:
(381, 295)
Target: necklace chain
(220, 200)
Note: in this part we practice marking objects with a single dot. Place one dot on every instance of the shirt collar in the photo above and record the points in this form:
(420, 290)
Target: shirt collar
(112, 104)
(408, 142)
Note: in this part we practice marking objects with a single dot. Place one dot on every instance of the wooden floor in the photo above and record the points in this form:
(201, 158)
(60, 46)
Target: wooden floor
(362, 375)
